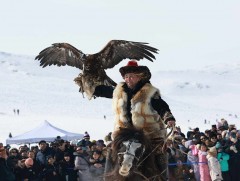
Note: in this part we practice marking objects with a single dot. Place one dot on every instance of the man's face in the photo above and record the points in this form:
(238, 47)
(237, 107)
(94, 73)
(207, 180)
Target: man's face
(42, 146)
(131, 80)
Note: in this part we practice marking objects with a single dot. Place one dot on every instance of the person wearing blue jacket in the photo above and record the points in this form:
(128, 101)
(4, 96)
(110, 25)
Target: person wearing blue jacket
(223, 158)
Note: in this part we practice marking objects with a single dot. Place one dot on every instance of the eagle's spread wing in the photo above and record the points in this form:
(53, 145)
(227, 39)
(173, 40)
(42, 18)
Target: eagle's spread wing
(61, 54)
(117, 50)
(94, 65)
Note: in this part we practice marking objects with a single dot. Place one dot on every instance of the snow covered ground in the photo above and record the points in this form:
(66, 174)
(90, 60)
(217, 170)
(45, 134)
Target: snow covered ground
(209, 93)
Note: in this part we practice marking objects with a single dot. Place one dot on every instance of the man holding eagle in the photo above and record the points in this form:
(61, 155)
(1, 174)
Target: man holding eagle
(136, 102)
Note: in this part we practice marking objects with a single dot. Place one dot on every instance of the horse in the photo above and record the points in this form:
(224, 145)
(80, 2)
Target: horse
(131, 157)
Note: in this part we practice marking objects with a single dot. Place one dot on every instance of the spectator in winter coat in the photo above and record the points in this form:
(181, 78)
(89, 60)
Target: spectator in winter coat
(180, 149)
(226, 134)
(12, 159)
(51, 170)
(223, 158)
(28, 172)
(221, 141)
(59, 153)
(44, 152)
(214, 166)
(203, 163)
(82, 164)
(193, 158)
(66, 169)
(36, 165)
(5, 171)
(97, 166)
(85, 142)
(234, 162)
(183, 150)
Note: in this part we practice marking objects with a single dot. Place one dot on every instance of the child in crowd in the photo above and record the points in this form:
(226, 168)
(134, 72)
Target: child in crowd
(213, 164)
(66, 169)
(193, 158)
(203, 163)
(97, 163)
(51, 171)
(223, 158)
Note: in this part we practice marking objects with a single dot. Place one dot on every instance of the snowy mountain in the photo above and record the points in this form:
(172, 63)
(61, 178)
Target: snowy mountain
(51, 94)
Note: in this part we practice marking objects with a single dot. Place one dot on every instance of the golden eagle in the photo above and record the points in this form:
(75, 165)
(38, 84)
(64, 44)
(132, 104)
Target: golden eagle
(93, 65)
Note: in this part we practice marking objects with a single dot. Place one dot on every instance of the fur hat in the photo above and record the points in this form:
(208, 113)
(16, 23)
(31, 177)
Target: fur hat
(86, 135)
(132, 67)
(29, 162)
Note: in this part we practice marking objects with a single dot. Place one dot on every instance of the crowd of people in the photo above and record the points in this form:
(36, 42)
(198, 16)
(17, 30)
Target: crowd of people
(208, 155)
(56, 161)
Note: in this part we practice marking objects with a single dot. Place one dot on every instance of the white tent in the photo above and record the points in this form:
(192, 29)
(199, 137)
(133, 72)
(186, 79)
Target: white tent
(46, 132)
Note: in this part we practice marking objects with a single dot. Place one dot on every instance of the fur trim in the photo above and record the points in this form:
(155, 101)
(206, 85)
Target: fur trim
(143, 115)
(132, 67)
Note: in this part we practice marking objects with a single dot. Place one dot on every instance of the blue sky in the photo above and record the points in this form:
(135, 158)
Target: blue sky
(189, 34)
